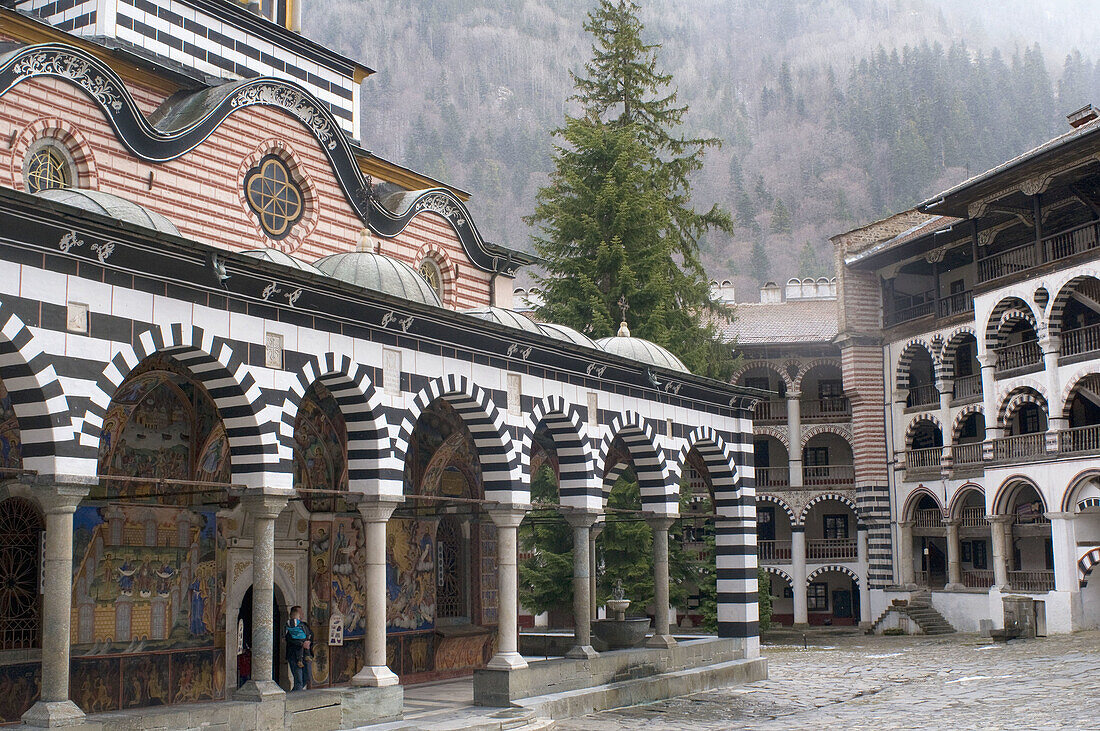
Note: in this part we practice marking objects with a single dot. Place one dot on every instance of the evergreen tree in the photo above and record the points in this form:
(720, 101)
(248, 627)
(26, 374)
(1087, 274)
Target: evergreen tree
(546, 576)
(809, 263)
(759, 264)
(626, 546)
(616, 221)
(781, 218)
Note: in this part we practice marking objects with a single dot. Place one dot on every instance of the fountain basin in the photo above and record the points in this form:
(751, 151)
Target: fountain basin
(621, 634)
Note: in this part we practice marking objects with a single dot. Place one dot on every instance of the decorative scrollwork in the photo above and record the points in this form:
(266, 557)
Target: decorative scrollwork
(77, 70)
(104, 250)
(438, 203)
(69, 241)
(294, 102)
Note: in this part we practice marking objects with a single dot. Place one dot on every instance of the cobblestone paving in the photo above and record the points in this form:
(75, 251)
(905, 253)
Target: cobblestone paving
(860, 682)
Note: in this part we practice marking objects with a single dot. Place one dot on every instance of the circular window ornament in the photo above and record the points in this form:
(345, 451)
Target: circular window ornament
(273, 196)
(47, 166)
(430, 271)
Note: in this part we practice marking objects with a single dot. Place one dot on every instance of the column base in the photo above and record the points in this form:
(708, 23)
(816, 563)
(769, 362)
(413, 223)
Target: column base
(375, 677)
(660, 642)
(259, 691)
(582, 652)
(507, 661)
(53, 714)
(953, 587)
(800, 625)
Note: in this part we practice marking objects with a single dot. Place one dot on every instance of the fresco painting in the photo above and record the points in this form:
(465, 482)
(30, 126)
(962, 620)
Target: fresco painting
(410, 574)
(320, 443)
(19, 688)
(11, 444)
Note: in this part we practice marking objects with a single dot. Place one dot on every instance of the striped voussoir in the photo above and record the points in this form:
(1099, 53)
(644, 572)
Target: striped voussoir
(912, 348)
(776, 500)
(36, 395)
(372, 467)
(828, 496)
(210, 361)
(780, 573)
(577, 484)
(500, 461)
(1087, 563)
(1007, 312)
(1017, 398)
(659, 494)
(717, 457)
(833, 567)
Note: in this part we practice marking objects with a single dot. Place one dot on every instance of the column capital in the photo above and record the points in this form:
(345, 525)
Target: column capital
(1060, 516)
(794, 395)
(582, 518)
(63, 498)
(906, 523)
(952, 522)
(660, 522)
(1051, 344)
(267, 503)
(1001, 519)
(597, 527)
(377, 509)
(987, 359)
(508, 516)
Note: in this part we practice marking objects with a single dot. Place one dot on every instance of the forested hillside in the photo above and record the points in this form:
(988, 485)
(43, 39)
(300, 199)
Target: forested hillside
(833, 112)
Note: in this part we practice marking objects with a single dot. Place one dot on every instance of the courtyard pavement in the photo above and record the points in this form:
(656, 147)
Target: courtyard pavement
(860, 682)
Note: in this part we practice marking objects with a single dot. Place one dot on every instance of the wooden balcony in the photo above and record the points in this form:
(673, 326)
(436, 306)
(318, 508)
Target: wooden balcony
(923, 395)
(1079, 439)
(1081, 340)
(772, 477)
(771, 412)
(773, 551)
(968, 387)
(1013, 261)
(911, 307)
(1076, 240)
(931, 518)
(977, 579)
(834, 408)
(956, 304)
(1057, 246)
(973, 518)
(1021, 447)
(1020, 355)
(924, 460)
(1031, 581)
(831, 549)
(836, 474)
(965, 455)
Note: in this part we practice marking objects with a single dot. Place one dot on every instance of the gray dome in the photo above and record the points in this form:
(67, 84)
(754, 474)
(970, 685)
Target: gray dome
(568, 334)
(380, 273)
(106, 204)
(277, 257)
(640, 350)
(501, 316)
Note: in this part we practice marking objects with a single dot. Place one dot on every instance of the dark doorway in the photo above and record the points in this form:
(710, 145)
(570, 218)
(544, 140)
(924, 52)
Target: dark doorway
(842, 604)
(277, 621)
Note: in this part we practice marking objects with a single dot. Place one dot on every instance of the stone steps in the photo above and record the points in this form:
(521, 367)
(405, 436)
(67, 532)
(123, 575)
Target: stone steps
(919, 609)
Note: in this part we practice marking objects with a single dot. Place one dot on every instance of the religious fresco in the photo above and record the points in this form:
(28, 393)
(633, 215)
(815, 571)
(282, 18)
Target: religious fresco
(19, 688)
(337, 563)
(320, 446)
(410, 574)
(11, 445)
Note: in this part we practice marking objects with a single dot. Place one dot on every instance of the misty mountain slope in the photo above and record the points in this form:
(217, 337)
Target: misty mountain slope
(834, 112)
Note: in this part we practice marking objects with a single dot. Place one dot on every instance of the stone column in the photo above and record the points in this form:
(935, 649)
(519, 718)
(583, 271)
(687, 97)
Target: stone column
(582, 599)
(862, 557)
(1056, 422)
(375, 673)
(264, 508)
(1063, 541)
(507, 521)
(53, 707)
(905, 554)
(661, 637)
(998, 529)
(947, 393)
(794, 429)
(988, 362)
(593, 534)
(954, 565)
(798, 575)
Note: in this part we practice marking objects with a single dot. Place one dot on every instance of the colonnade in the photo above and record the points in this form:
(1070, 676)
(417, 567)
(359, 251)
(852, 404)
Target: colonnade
(799, 573)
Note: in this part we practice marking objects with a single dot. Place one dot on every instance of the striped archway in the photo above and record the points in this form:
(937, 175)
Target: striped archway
(1004, 314)
(780, 573)
(1016, 398)
(914, 499)
(961, 417)
(577, 483)
(905, 361)
(500, 460)
(951, 348)
(1089, 280)
(838, 568)
(763, 497)
(372, 468)
(958, 499)
(823, 497)
(660, 494)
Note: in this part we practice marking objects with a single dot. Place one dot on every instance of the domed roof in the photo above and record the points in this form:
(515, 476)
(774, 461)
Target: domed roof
(277, 257)
(380, 273)
(568, 334)
(641, 350)
(501, 316)
(106, 204)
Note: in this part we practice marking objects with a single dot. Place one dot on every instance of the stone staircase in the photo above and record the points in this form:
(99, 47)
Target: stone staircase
(919, 609)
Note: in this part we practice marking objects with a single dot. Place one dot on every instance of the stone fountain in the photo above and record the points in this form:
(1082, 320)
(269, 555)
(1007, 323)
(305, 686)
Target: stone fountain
(620, 632)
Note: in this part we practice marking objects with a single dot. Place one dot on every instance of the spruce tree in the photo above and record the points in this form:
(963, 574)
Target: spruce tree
(546, 576)
(616, 221)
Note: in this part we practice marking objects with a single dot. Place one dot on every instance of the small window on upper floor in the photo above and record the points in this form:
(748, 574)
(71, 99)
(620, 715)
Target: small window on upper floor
(274, 196)
(275, 10)
(48, 165)
(432, 275)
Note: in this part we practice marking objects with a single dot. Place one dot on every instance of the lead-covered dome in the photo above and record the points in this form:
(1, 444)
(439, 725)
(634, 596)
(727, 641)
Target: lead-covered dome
(641, 350)
(567, 334)
(380, 273)
(107, 204)
(508, 318)
(278, 257)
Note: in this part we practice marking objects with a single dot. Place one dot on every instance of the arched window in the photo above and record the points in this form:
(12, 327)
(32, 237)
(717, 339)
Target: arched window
(20, 601)
(432, 275)
(274, 196)
(47, 166)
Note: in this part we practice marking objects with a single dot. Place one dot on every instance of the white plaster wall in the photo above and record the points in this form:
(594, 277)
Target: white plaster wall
(962, 610)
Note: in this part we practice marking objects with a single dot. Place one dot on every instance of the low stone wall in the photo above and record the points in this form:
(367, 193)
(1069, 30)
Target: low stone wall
(501, 688)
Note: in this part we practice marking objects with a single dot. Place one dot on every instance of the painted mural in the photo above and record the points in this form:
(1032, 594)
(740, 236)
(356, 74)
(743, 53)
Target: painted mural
(320, 443)
(337, 566)
(11, 445)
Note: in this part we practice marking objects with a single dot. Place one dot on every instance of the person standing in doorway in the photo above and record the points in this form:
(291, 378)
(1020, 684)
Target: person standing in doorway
(299, 641)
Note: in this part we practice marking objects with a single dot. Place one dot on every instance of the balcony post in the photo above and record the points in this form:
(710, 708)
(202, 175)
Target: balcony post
(954, 565)
(794, 429)
(798, 575)
(988, 362)
(905, 554)
(1063, 541)
(1052, 350)
(998, 525)
(594, 533)
(947, 392)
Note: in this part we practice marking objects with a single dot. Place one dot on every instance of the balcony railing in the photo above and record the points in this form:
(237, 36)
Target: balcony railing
(1019, 355)
(835, 474)
(1079, 439)
(973, 518)
(1031, 581)
(773, 477)
(931, 518)
(771, 411)
(923, 460)
(977, 579)
(923, 395)
(831, 408)
(1081, 340)
(1023, 446)
(968, 386)
(1071, 241)
(1030, 518)
(956, 304)
(910, 307)
(831, 549)
(1013, 261)
(774, 551)
(967, 454)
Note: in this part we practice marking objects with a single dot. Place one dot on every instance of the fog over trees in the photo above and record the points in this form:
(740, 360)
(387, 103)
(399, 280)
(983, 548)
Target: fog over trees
(832, 112)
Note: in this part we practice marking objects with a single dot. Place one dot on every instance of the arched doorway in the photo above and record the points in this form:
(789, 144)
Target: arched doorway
(1029, 549)
(243, 627)
(929, 541)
